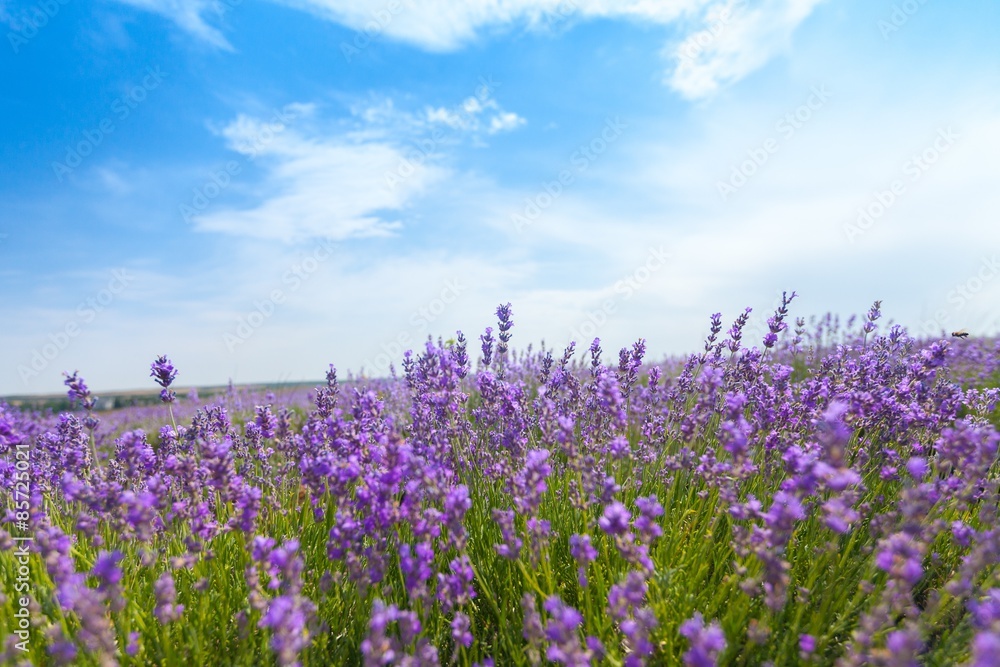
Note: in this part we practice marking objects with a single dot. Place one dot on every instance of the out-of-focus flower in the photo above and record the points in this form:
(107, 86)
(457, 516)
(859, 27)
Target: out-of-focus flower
(706, 642)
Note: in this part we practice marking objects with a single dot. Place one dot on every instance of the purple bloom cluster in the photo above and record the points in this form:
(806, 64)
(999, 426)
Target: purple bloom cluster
(706, 642)
(828, 496)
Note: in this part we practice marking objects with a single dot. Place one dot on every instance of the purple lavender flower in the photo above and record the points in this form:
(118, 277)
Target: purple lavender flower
(106, 567)
(917, 467)
(904, 647)
(78, 391)
(164, 373)
(583, 552)
(985, 649)
(615, 519)
(260, 548)
(456, 503)
(530, 482)
(132, 647)
(62, 650)
(417, 566)
(650, 510)
(511, 546)
(637, 631)
(706, 642)
(110, 575)
(776, 323)
(455, 589)
(986, 611)
(716, 327)
(460, 630)
(874, 313)
(505, 324)
(736, 331)
(380, 647)
(963, 533)
(626, 597)
(265, 420)
(135, 454)
(288, 617)
(562, 632)
(531, 629)
(901, 556)
(166, 610)
(488, 340)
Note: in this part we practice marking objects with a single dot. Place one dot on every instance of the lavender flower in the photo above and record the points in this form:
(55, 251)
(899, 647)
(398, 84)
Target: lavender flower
(985, 649)
(511, 546)
(110, 575)
(615, 520)
(706, 642)
(164, 373)
(505, 324)
(460, 626)
(584, 552)
(650, 510)
(166, 610)
(562, 632)
(530, 482)
(79, 392)
(288, 617)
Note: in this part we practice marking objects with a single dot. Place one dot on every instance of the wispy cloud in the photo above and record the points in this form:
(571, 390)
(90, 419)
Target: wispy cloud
(477, 114)
(320, 186)
(190, 16)
(349, 183)
(729, 39)
(735, 39)
(441, 25)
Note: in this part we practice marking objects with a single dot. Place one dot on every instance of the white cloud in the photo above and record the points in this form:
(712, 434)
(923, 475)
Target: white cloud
(735, 40)
(505, 121)
(476, 114)
(333, 187)
(189, 15)
(469, 116)
(445, 25)
(350, 183)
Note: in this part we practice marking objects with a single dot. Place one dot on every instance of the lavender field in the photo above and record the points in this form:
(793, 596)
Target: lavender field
(825, 496)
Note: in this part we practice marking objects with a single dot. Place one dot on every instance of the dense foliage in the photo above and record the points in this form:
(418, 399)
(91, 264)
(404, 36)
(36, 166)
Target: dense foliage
(829, 497)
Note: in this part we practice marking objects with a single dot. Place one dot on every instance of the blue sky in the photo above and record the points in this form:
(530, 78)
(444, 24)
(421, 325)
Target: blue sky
(259, 188)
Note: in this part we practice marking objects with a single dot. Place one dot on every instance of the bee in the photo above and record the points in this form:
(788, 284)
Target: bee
(961, 333)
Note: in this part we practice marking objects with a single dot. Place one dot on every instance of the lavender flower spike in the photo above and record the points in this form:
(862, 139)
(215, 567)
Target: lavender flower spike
(164, 373)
